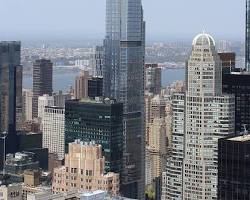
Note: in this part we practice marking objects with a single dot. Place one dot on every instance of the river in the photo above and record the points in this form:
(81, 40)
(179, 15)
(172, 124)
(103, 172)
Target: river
(64, 81)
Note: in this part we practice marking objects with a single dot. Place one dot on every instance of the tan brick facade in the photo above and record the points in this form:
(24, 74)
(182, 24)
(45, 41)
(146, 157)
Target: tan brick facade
(84, 170)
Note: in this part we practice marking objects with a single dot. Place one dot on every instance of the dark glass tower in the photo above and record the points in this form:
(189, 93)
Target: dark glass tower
(247, 42)
(233, 168)
(99, 121)
(124, 50)
(238, 84)
(10, 53)
(42, 82)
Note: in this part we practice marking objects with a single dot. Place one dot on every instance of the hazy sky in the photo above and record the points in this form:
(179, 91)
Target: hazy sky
(166, 19)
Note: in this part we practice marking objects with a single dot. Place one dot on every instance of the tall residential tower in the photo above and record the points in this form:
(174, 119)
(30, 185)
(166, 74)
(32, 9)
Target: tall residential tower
(209, 115)
(124, 50)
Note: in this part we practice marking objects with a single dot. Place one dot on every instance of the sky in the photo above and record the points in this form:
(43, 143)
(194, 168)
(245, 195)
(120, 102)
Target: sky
(166, 19)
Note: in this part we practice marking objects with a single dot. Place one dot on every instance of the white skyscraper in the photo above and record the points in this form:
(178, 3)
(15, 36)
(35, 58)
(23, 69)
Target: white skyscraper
(53, 130)
(172, 178)
(43, 101)
(209, 115)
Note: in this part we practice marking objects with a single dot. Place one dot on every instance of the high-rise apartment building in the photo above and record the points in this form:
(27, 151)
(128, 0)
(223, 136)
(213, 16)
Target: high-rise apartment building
(10, 53)
(157, 147)
(27, 104)
(209, 115)
(84, 170)
(124, 50)
(233, 168)
(54, 130)
(157, 108)
(247, 41)
(100, 121)
(81, 85)
(172, 177)
(42, 82)
(153, 78)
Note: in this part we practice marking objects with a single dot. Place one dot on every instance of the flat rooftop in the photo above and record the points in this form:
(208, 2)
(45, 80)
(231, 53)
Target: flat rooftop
(241, 138)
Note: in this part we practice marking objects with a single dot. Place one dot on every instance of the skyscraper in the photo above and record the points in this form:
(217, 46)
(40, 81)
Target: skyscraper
(209, 115)
(10, 53)
(42, 82)
(27, 104)
(54, 130)
(124, 50)
(172, 178)
(98, 61)
(81, 85)
(247, 42)
(238, 84)
(19, 97)
(153, 78)
(99, 121)
(233, 168)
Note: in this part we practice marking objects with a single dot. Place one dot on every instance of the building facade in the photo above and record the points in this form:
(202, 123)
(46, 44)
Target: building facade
(81, 85)
(172, 177)
(247, 35)
(27, 104)
(42, 82)
(98, 61)
(99, 121)
(84, 170)
(43, 101)
(54, 130)
(157, 147)
(124, 51)
(95, 87)
(238, 84)
(209, 115)
(19, 97)
(11, 192)
(60, 98)
(233, 168)
(153, 78)
(10, 55)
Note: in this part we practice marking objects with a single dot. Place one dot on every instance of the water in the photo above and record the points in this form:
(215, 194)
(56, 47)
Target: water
(64, 81)
(171, 75)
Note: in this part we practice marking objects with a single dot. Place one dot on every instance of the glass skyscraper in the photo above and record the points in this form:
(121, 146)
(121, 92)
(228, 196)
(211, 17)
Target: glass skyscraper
(99, 121)
(10, 53)
(247, 42)
(124, 50)
(42, 82)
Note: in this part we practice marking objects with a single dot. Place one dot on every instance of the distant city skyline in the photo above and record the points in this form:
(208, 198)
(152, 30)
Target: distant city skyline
(166, 20)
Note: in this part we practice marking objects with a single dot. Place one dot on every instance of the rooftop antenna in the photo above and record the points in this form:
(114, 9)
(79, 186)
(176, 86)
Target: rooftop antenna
(245, 130)
(44, 50)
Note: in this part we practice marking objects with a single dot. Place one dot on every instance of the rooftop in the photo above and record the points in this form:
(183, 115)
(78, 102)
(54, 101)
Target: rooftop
(204, 39)
(241, 138)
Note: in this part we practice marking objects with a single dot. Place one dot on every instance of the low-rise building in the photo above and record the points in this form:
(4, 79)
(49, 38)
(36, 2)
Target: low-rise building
(11, 192)
(84, 170)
